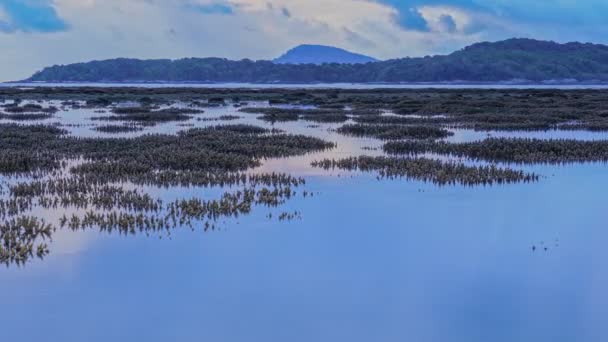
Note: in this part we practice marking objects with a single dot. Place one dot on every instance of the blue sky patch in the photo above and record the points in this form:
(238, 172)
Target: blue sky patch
(31, 16)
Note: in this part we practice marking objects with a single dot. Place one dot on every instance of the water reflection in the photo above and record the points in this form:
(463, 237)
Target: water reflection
(426, 266)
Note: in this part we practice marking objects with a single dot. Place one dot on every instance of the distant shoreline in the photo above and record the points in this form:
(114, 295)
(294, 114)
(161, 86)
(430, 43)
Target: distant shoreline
(520, 62)
(236, 85)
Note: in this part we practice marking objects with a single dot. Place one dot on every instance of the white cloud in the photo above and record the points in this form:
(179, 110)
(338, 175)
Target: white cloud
(257, 29)
(3, 15)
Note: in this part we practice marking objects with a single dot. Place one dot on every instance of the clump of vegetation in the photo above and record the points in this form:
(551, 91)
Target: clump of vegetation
(131, 110)
(190, 111)
(386, 119)
(325, 118)
(510, 150)
(26, 116)
(224, 148)
(21, 150)
(271, 110)
(391, 132)
(146, 115)
(29, 108)
(326, 115)
(279, 117)
(149, 115)
(118, 128)
(27, 112)
(429, 170)
(228, 117)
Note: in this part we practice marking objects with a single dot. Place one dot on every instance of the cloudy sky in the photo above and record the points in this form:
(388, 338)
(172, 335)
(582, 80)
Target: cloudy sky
(37, 33)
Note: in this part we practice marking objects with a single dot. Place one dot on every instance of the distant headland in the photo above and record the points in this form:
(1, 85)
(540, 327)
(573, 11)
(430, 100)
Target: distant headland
(525, 60)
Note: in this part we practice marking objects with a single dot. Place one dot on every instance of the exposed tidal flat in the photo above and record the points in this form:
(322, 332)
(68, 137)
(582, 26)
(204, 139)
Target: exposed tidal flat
(345, 214)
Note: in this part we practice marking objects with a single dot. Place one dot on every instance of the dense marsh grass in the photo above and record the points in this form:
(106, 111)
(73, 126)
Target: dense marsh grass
(118, 128)
(429, 170)
(511, 150)
(392, 132)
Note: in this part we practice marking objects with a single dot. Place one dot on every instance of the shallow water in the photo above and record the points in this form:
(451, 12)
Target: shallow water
(370, 260)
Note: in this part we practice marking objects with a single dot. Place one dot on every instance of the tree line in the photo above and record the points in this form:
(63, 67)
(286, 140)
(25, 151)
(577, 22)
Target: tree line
(514, 59)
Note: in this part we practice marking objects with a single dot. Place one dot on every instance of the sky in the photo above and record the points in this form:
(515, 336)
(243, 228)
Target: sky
(39, 33)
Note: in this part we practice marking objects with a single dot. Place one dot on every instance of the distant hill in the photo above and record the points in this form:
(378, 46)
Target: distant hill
(319, 54)
(513, 59)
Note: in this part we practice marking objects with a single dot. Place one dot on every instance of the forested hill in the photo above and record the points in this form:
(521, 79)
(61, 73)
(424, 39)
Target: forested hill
(319, 54)
(514, 59)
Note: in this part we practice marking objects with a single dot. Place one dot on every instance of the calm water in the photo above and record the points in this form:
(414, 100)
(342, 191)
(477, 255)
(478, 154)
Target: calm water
(369, 261)
(319, 85)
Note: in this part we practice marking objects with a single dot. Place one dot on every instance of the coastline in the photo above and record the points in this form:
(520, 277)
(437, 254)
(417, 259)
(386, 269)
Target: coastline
(236, 85)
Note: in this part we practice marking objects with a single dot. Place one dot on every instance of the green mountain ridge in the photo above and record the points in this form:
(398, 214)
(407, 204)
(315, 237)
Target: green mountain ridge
(513, 59)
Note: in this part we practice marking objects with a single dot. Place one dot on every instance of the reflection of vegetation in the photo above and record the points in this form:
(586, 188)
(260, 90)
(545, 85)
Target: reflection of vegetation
(72, 190)
(21, 238)
(179, 213)
(510, 150)
(435, 171)
(111, 208)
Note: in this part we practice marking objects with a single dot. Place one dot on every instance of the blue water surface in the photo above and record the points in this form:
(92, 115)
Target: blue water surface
(369, 260)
